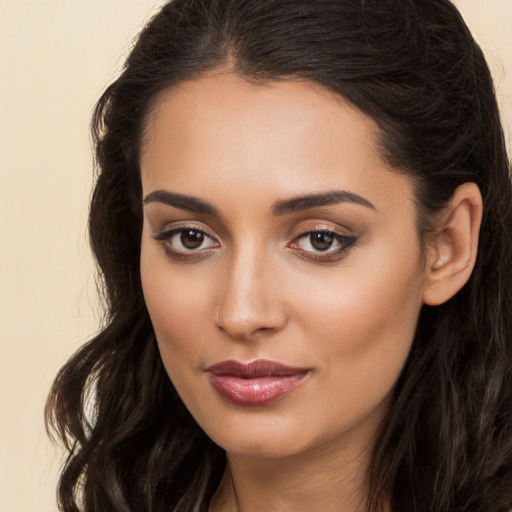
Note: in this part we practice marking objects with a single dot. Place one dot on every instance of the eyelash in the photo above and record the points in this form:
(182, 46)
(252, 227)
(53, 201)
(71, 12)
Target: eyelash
(344, 244)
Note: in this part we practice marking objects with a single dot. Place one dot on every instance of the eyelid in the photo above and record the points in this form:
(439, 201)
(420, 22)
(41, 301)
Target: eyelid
(175, 227)
(322, 226)
(315, 227)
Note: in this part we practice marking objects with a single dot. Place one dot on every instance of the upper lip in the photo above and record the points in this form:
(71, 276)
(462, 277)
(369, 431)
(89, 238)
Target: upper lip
(254, 369)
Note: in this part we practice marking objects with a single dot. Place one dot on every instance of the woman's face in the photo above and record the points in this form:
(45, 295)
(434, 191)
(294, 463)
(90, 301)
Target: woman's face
(281, 264)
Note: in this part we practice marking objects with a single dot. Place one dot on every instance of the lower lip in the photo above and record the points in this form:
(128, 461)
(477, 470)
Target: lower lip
(258, 391)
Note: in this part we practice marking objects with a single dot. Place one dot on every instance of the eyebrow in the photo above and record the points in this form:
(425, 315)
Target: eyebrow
(194, 204)
(316, 200)
(183, 202)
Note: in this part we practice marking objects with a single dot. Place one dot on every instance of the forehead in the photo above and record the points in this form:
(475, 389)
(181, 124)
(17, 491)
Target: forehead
(285, 137)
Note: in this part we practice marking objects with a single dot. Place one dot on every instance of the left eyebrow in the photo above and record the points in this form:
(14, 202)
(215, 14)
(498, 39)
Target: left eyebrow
(315, 200)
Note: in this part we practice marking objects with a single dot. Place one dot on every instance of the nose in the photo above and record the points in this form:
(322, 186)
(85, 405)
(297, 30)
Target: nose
(249, 304)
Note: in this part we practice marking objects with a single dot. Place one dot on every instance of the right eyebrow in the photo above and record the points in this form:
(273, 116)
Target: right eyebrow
(181, 201)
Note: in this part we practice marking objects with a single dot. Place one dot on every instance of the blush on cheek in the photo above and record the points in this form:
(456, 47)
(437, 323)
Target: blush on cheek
(367, 330)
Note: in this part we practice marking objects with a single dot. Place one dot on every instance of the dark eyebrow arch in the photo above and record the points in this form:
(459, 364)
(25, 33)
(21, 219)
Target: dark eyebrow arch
(181, 201)
(315, 200)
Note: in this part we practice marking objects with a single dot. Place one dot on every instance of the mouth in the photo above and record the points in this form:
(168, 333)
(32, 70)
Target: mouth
(255, 383)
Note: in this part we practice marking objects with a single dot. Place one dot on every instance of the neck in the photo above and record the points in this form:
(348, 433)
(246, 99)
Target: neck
(325, 480)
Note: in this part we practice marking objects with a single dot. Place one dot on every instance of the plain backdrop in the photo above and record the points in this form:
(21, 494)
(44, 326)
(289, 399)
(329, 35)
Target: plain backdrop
(56, 57)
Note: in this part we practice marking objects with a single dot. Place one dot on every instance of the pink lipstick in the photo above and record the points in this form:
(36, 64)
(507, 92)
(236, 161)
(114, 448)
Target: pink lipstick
(256, 383)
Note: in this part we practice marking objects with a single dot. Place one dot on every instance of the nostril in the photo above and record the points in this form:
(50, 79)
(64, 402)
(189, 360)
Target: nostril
(249, 326)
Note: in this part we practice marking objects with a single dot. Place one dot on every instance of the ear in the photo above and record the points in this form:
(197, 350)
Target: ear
(452, 249)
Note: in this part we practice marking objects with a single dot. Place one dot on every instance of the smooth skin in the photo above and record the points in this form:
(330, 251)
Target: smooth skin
(234, 269)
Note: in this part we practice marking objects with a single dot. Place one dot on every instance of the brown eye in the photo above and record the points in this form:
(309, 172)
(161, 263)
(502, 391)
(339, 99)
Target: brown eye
(322, 245)
(187, 243)
(321, 241)
(191, 238)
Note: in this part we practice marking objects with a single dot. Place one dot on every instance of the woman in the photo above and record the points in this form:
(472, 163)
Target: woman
(302, 219)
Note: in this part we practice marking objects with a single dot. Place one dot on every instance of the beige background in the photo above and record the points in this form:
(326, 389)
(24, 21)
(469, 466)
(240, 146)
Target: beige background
(56, 56)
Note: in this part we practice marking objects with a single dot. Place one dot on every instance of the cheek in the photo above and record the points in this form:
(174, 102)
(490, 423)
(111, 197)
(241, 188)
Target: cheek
(176, 304)
(364, 319)
(361, 340)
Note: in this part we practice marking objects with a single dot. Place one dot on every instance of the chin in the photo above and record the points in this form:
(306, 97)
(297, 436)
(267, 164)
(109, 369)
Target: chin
(258, 438)
(260, 448)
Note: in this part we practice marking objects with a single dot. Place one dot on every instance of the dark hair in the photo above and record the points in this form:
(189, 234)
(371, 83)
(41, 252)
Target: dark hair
(413, 67)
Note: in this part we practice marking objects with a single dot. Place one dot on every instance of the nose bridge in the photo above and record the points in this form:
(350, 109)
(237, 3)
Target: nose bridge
(248, 301)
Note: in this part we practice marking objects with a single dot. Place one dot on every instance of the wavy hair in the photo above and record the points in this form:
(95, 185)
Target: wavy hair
(413, 67)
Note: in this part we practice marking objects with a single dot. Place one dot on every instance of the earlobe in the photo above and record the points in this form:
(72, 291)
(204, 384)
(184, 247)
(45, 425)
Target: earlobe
(452, 250)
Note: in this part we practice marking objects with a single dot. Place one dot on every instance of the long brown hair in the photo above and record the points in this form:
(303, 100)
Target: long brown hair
(411, 65)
